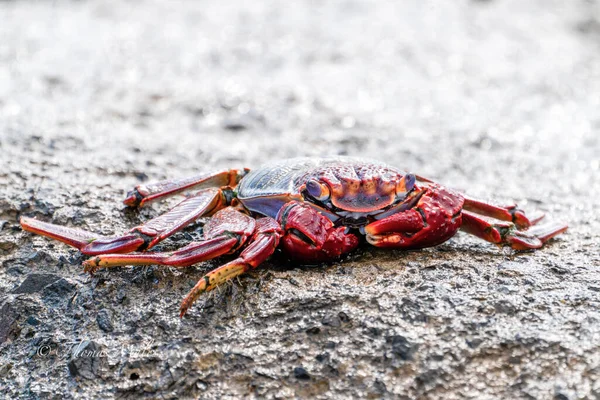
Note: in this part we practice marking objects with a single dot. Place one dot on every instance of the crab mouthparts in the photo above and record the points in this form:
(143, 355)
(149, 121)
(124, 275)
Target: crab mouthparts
(354, 222)
(363, 202)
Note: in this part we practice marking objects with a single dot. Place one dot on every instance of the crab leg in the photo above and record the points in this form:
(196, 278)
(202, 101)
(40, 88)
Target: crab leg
(82, 239)
(143, 194)
(204, 203)
(262, 245)
(506, 233)
(510, 213)
(191, 254)
(224, 233)
(141, 237)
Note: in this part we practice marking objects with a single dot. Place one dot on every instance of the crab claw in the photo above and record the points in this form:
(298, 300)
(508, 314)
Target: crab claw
(310, 236)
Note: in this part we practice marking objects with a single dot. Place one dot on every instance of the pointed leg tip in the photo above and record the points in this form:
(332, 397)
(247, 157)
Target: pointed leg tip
(89, 270)
(189, 300)
(521, 220)
(536, 236)
(548, 231)
(26, 222)
(91, 265)
(522, 245)
(133, 199)
(563, 227)
(183, 310)
(536, 218)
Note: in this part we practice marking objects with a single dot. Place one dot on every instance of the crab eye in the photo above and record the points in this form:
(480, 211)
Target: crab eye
(405, 185)
(317, 190)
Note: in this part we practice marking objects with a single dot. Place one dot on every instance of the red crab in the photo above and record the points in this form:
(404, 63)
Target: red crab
(317, 209)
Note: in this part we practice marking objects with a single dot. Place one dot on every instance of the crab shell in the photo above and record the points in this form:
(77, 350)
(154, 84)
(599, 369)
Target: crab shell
(355, 187)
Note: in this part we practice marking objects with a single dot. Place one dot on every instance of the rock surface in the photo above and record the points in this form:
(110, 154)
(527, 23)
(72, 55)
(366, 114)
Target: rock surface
(497, 98)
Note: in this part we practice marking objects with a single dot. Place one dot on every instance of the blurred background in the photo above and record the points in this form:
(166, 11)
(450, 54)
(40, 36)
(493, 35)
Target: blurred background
(498, 98)
(430, 86)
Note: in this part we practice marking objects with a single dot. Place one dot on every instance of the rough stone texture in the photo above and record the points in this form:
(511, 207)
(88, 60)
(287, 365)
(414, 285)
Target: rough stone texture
(498, 98)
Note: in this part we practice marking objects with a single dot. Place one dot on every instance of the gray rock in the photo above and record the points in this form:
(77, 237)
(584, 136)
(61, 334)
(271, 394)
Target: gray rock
(58, 292)
(35, 282)
(401, 347)
(85, 359)
(104, 320)
(9, 328)
(471, 94)
(332, 320)
(301, 374)
(505, 307)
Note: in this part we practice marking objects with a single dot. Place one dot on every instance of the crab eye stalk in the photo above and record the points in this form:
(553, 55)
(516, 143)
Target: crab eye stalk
(405, 185)
(317, 190)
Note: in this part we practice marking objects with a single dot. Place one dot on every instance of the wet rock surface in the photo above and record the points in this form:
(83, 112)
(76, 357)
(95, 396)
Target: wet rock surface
(497, 98)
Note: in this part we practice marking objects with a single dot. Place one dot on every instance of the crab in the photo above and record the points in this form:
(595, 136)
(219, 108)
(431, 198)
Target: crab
(315, 209)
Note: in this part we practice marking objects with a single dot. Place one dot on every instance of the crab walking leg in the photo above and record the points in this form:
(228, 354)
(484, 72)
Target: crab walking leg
(87, 242)
(143, 194)
(507, 233)
(224, 233)
(510, 213)
(204, 203)
(262, 245)
(140, 237)
(191, 254)
(81, 239)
